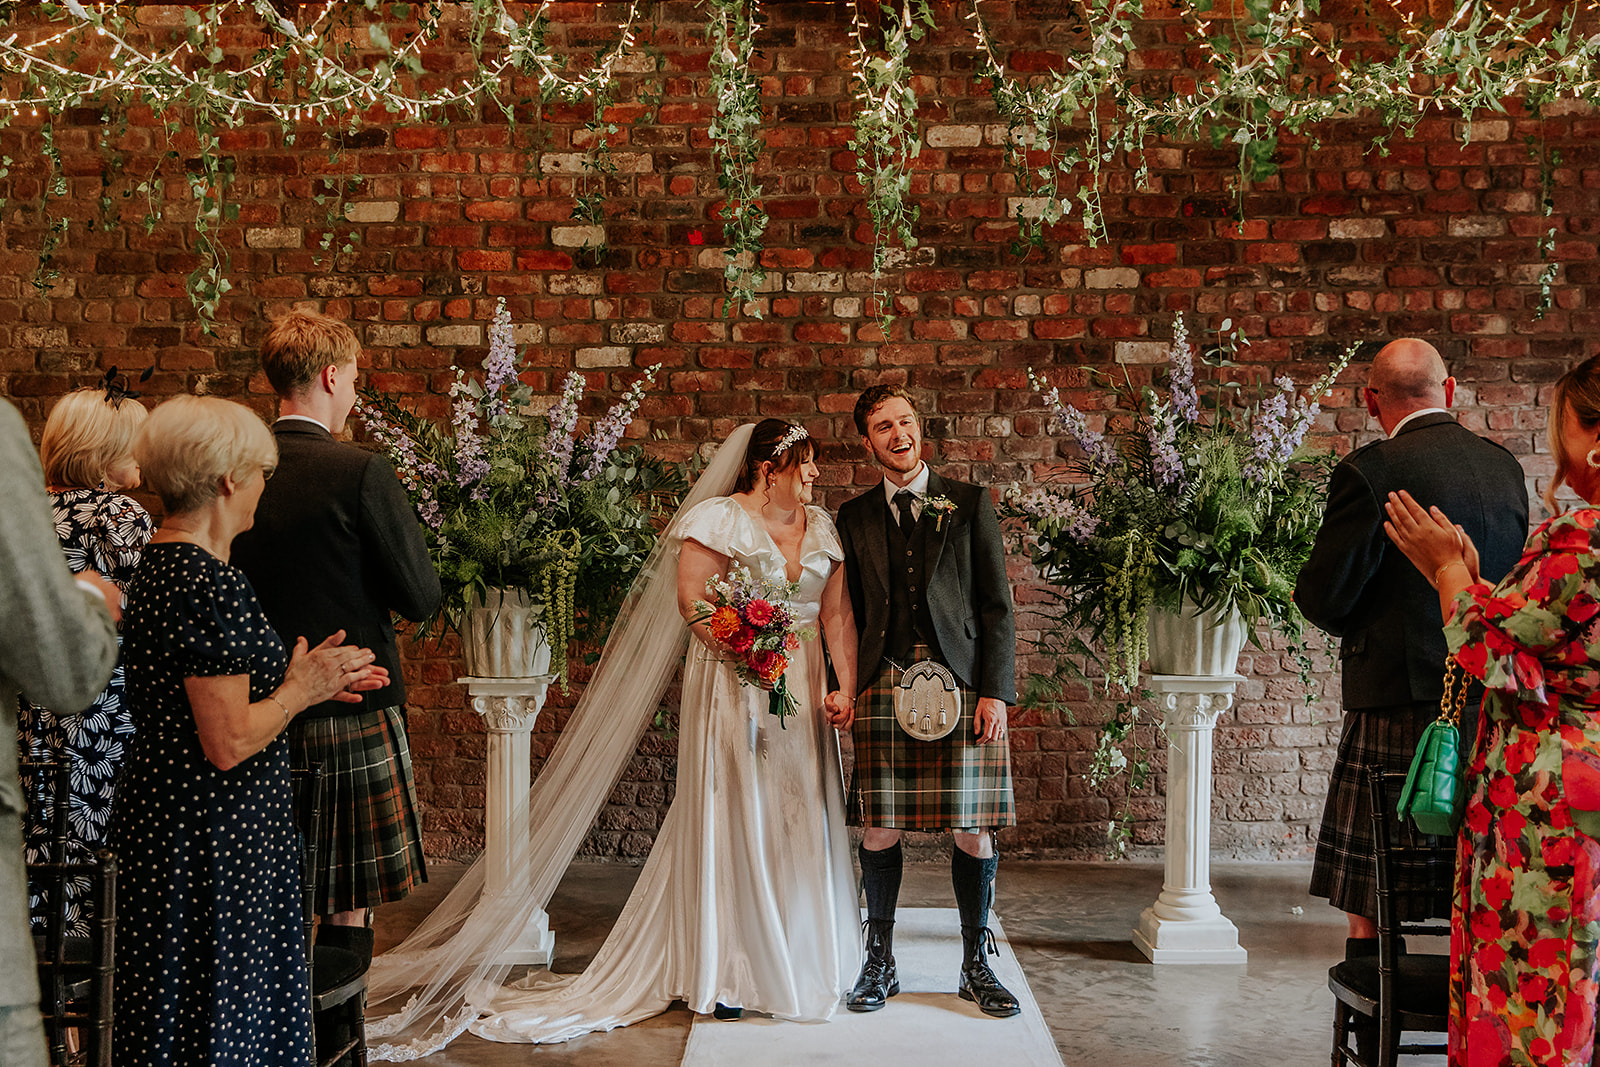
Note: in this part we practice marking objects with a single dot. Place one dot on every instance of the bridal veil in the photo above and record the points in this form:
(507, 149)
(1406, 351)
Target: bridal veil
(427, 990)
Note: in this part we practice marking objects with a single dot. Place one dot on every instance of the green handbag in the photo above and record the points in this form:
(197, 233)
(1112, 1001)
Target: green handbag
(1434, 794)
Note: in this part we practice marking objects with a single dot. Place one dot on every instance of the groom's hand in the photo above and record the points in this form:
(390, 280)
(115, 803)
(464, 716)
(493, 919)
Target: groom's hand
(841, 710)
(989, 720)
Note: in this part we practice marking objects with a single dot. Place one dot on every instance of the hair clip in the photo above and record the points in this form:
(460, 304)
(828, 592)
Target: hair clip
(116, 386)
(795, 435)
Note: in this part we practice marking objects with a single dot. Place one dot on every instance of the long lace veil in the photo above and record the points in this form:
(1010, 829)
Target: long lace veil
(427, 990)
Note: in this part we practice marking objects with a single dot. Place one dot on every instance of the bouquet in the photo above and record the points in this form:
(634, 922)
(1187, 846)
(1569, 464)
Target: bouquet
(750, 618)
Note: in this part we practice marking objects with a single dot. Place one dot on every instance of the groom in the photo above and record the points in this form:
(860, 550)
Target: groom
(925, 566)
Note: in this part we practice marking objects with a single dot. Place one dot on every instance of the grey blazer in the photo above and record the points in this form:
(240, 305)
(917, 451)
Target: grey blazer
(969, 594)
(57, 647)
(1357, 585)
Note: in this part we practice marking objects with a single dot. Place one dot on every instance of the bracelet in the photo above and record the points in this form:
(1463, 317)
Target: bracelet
(274, 698)
(1444, 567)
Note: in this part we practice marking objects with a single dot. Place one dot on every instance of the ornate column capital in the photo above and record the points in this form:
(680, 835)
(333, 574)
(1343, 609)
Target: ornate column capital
(1193, 703)
(507, 705)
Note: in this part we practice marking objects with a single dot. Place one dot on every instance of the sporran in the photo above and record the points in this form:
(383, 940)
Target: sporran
(927, 701)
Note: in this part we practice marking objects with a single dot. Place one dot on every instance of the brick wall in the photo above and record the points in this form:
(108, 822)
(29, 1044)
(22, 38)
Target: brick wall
(1433, 238)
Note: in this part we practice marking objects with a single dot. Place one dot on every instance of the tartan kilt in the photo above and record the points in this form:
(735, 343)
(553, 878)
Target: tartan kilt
(902, 783)
(1345, 869)
(371, 850)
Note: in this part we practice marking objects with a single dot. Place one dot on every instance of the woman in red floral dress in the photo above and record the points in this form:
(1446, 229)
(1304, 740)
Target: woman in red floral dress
(1525, 936)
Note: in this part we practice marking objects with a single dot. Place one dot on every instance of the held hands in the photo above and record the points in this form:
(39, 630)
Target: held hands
(840, 709)
(1429, 539)
(989, 720)
(333, 671)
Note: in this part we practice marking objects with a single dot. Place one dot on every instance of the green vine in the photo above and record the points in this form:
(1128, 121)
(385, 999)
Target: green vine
(736, 145)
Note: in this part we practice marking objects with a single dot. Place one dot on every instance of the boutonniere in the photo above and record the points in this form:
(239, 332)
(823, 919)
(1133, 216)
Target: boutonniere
(940, 506)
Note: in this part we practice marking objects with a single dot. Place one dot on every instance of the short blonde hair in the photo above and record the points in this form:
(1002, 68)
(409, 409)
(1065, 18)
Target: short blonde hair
(299, 344)
(190, 443)
(86, 435)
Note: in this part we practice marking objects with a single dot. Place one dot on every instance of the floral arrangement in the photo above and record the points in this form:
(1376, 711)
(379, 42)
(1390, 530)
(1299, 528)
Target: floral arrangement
(750, 618)
(1209, 499)
(513, 498)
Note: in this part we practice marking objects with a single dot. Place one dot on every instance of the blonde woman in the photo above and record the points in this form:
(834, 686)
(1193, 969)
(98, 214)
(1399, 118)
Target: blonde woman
(211, 967)
(87, 454)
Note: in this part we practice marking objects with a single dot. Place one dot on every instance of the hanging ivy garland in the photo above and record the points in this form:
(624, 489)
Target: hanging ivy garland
(336, 67)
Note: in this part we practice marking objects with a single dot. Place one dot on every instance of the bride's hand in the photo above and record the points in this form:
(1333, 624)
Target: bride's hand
(840, 709)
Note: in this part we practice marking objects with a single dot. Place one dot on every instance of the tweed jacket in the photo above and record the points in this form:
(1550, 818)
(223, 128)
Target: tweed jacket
(1359, 586)
(968, 595)
(57, 647)
(336, 545)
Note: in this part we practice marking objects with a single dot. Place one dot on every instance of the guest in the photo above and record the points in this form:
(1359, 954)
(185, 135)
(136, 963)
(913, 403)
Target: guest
(57, 646)
(211, 965)
(1391, 652)
(336, 543)
(87, 453)
(1525, 940)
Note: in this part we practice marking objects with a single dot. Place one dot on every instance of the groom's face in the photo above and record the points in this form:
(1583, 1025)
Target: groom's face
(895, 436)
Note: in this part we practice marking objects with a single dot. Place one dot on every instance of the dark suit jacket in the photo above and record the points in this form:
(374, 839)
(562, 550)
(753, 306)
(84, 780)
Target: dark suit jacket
(969, 595)
(1358, 586)
(336, 545)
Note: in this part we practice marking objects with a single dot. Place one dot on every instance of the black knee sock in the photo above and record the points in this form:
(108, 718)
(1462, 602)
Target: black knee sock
(972, 879)
(880, 878)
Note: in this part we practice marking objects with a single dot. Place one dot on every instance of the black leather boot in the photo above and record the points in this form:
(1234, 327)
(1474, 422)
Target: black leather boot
(878, 981)
(978, 983)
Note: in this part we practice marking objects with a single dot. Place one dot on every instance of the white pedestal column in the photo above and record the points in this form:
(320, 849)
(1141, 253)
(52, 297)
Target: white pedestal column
(509, 707)
(1185, 925)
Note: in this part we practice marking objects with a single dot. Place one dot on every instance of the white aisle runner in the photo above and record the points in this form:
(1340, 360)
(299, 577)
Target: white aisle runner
(927, 1025)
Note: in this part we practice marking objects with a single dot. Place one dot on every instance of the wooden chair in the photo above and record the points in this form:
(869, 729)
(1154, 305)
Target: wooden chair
(338, 976)
(1396, 990)
(76, 973)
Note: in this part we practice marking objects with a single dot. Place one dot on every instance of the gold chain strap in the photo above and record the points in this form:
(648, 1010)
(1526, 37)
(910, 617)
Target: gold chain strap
(1454, 697)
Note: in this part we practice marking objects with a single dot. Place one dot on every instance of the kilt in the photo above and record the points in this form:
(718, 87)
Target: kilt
(902, 783)
(371, 829)
(1344, 869)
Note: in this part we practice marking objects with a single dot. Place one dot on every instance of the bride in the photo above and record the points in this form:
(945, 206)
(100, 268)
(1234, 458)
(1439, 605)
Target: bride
(747, 900)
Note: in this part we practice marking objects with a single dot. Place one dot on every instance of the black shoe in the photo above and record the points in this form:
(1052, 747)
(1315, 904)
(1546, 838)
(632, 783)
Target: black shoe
(978, 982)
(879, 981)
(722, 1011)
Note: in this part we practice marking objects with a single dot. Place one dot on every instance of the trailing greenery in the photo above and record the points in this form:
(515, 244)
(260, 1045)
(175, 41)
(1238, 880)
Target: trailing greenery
(736, 145)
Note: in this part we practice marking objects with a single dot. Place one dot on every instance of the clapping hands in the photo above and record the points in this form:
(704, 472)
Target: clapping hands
(334, 671)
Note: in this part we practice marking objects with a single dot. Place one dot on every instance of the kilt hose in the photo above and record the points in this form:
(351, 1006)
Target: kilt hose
(1344, 869)
(371, 829)
(902, 783)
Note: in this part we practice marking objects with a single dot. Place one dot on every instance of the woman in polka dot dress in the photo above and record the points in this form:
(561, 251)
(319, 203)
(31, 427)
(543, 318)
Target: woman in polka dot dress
(211, 965)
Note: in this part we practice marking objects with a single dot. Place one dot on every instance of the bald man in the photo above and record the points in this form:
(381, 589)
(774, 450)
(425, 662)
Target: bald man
(1358, 586)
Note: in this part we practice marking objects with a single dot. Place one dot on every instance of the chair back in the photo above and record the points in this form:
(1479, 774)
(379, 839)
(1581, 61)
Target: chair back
(309, 786)
(76, 974)
(46, 784)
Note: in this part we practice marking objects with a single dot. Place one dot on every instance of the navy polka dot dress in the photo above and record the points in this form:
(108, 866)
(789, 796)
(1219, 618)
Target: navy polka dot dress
(211, 968)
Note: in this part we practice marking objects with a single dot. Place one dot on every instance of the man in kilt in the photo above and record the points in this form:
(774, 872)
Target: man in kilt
(1357, 586)
(336, 546)
(925, 567)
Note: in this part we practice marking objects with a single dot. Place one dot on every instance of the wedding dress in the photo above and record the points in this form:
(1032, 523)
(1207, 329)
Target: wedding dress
(747, 898)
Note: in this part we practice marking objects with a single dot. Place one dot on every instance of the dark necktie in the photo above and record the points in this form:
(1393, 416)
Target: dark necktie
(902, 504)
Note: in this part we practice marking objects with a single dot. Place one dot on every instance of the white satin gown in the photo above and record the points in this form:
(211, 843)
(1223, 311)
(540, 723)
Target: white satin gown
(748, 898)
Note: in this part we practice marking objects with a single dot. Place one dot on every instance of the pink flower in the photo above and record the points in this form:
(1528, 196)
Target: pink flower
(758, 613)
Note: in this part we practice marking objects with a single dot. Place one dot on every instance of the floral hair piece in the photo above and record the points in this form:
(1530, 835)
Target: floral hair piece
(116, 386)
(795, 435)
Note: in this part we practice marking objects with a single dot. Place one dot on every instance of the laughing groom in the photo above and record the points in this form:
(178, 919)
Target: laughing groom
(925, 566)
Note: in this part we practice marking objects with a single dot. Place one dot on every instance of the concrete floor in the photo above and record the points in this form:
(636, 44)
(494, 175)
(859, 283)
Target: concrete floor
(1069, 924)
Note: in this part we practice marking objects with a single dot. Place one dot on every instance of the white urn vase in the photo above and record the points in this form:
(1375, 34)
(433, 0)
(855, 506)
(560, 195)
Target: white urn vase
(503, 636)
(1195, 643)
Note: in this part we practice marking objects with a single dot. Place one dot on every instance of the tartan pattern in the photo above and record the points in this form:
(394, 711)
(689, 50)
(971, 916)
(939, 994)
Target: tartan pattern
(905, 784)
(372, 834)
(1344, 870)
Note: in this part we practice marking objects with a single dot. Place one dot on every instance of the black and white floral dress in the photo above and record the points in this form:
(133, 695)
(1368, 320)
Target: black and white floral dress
(105, 532)
(211, 967)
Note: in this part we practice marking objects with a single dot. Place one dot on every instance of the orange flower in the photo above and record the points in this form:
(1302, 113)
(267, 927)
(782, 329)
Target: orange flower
(723, 623)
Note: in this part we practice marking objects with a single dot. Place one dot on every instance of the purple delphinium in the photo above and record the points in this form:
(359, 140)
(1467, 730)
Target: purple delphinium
(1272, 434)
(1048, 508)
(1185, 399)
(1100, 453)
(602, 440)
(419, 476)
(563, 420)
(1166, 462)
(500, 366)
(471, 463)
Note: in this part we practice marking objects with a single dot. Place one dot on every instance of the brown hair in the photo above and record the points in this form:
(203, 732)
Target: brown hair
(871, 397)
(299, 344)
(766, 436)
(86, 435)
(1577, 390)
